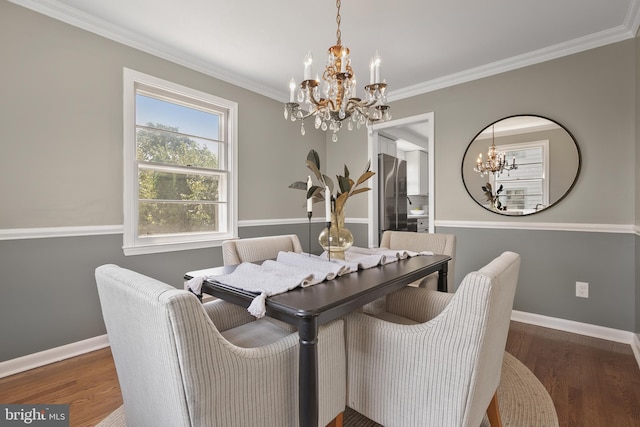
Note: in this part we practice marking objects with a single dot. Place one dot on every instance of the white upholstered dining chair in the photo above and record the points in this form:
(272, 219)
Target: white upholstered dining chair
(252, 249)
(438, 243)
(183, 363)
(433, 358)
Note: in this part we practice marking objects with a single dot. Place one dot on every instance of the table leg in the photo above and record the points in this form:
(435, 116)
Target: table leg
(308, 373)
(442, 278)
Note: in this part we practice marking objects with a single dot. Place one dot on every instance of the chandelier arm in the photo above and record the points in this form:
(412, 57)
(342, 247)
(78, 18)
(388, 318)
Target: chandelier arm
(360, 103)
(322, 102)
(305, 116)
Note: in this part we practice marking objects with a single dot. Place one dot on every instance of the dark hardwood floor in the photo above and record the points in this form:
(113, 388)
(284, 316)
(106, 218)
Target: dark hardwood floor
(592, 382)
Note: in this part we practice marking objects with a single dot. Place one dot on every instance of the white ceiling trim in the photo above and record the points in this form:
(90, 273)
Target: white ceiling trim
(71, 16)
(531, 58)
(59, 11)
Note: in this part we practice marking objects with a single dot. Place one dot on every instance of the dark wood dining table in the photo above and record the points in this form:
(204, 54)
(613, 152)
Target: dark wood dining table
(309, 307)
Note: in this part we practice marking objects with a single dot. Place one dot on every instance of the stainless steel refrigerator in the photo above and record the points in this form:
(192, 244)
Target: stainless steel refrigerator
(392, 195)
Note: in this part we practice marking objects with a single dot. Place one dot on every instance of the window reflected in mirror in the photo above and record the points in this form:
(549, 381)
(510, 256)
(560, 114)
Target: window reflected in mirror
(521, 165)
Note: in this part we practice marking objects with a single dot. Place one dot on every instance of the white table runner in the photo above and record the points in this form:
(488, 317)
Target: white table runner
(292, 269)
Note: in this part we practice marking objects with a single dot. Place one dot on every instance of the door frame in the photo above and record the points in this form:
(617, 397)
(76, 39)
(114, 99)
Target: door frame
(373, 151)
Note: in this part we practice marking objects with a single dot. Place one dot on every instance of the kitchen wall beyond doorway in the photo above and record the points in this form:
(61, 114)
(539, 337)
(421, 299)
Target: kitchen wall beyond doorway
(418, 202)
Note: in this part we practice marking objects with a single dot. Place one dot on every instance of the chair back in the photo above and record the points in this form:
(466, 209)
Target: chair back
(138, 315)
(177, 368)
(258, 248)
(438, 243)
(493, 287)
(443, 361)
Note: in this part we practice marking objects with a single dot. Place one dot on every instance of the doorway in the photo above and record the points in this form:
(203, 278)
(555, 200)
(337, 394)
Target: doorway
(420, 129)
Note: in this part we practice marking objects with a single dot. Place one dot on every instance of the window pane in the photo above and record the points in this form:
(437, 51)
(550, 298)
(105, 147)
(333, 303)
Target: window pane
(521, 194)
(191, 121)
(180, 189)
(166, 218)
(529, 161)
(524, 171)
(526, 155)
(158, 185)
(165, 146)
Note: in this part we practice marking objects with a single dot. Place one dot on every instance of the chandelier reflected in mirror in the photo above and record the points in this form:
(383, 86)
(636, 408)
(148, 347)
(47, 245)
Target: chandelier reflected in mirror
(334, 100)
(496, 162)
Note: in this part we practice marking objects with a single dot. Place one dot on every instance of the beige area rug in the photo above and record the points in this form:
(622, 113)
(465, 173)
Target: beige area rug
(522, 399)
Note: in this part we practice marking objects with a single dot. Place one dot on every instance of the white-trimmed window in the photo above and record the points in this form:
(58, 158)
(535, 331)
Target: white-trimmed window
(527, 187)
(180, 169)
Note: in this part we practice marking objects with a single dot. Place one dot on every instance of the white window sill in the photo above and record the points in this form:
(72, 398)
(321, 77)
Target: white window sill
(171, 247)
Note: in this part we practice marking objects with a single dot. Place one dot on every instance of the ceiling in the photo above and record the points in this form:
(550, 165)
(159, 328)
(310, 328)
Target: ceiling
(424, 45)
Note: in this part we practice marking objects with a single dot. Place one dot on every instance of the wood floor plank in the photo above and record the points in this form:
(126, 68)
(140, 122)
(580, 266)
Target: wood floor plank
(592, 382)
(88, 383)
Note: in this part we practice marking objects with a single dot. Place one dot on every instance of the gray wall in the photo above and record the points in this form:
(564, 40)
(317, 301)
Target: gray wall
(592, 94)
(61, 165)
(48, 295)
(62, 128)
(552, 261)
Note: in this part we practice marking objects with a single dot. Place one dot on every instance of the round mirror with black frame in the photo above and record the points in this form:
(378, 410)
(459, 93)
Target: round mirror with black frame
(521, 165)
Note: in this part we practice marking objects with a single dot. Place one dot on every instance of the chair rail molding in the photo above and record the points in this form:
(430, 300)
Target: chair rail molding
(99, 230)
(550, 226)
(47, 232)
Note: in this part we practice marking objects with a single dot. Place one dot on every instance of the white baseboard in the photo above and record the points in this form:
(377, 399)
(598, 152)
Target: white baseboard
(572, 326)
(595, 331)
(46, 357)
(635, 346)
(56, 354)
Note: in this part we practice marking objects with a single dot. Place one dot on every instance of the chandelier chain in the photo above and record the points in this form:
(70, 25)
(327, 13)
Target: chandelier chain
(338, 19)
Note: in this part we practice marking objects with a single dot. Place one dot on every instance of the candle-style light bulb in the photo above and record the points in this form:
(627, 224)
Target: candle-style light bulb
(372, 72)
(308, 61)
(376, 61)
(310, 199)
(327, 204)
(292, 89)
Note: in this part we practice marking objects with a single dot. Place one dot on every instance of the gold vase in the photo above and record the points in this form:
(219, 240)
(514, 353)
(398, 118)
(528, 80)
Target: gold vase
(338, 238)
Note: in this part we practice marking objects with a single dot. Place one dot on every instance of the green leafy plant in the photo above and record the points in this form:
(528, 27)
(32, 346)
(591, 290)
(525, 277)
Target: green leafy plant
(347, 187)
(493, 198)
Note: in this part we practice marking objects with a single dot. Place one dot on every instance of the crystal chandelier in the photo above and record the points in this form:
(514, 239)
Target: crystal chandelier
(338, 101)
(496, 162)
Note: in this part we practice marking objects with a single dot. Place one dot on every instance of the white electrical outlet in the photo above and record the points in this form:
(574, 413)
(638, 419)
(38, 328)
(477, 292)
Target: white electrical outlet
(582, 289)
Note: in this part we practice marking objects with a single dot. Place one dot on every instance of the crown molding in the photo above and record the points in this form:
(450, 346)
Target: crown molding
(632, 20)
(61, 12)
(76, 18)
(603, 38)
